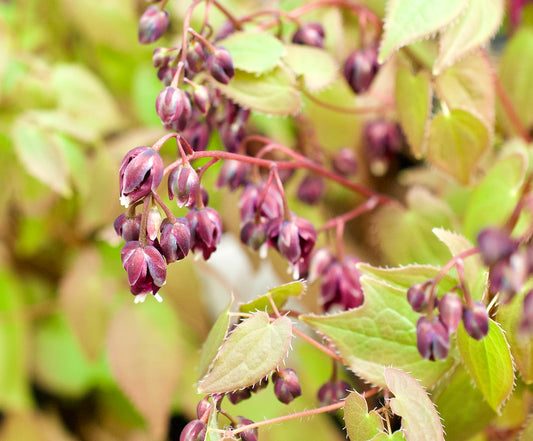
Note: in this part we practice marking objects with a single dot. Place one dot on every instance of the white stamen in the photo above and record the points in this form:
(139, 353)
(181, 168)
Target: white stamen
(139, 298)
(295, 272)
(263, 251)
(125, 201)
(158, 298)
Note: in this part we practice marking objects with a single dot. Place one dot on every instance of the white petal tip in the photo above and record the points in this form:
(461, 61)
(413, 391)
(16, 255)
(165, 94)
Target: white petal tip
(125, 201)
(158, 298)
(263, 251)
(139, 298)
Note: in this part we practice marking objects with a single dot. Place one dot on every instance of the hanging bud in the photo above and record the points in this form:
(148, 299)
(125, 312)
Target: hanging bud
(526, 325)
(418, 296)
(341, 287)
(206, 230)
(360, 69)
(239, 395)
(197, 135)
(162, 56)
(196, 56)
(220, 65)
(128, 227)
(140, 173)
(193, 431)
(432, 339)
(175, 241)
(153, 223)
(286, 385)
(293, 239)
(321, 259)
(203, 409)
(234, 174)
(152, 24)
(311, 189)
(202, 99)
(166, 74)
(476, 320)
(146, 270)
(271, 204)
(345, 162)
(183, 184)
(451, 311)
(383, 140)
(310, 34)
(253, 234)
(173, 107)
(333, 392)
(495, 245)
(247, 435)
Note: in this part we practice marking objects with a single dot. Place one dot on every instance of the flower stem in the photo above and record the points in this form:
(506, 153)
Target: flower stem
(169, 214)
(317, 344)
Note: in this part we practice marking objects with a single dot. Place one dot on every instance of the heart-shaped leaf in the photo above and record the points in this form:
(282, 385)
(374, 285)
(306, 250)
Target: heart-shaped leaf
(280, 295)
(361, 425)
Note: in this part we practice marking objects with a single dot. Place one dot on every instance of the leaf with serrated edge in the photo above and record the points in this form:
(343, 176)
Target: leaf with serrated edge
(527, 432)
(280, 295)
(413, 103)
(361, 425)
(456, 142)
(252, 351)
(489, 363)
(318, 68)
(211, 433)
(382, 332)
(475, 27)
(409, 20)
(273, 92)
(420, 420)
(253, 52)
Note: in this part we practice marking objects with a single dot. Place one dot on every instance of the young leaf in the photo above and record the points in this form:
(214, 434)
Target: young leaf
(382, 332)
(212, 425)
(361, 425)
(252, 351)
(409, 20)
(280, 295)
(272, 92)
(413, 102)
(318, 67)
(253, 52)
(420, 420)
(396, 436)
(475, 27)
(489, 363)
(456, 142)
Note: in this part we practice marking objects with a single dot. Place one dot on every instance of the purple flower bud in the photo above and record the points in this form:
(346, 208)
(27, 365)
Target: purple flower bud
(197, 135)
(128, 227)
(152, 24)
(495, 245)
(310, 34)
(193, 431)
(183, 184)
(476, 320)
(271, 206)
(258, 387)
(166, 74)
(220, 65)
(162, 56)
(311, 189)
(345, 162)
(225, 30)
(206, 230)
(432, 339)
(232, 136)
(196, 56)
(247, 435)
(254, 235)
(293, 239)
(146, 270)
(175, 241)
(451, 311)
(321, 259)
(234, 174)
(203, 408)
(418, 296)
(360, 69)
(383, 140)
(202, 99)
(153, 223)
(341, 287)
(239, 395)
(286, 385)
(173, 107)
(526, 325)
(333, 392)
(141, 172)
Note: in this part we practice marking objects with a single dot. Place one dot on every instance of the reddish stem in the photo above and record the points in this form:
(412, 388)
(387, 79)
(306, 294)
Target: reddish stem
(317, 345)
(144, 221)
(368, 205)
(169, 214)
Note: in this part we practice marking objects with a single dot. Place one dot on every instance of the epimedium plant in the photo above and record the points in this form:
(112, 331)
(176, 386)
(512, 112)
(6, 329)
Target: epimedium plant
(447, 300)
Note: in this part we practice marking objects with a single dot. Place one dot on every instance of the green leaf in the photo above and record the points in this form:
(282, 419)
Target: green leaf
(280, 295)
(527, 432)
(318, 68)
(273, 92)
(420, 420)
(475, 27)
(396, 436)
(456, 142)
(489, 363)
(212, 426)
(469, 85)
(409, 20)
(382, 332)
(495, 197)
(361, 425)
(253, 52)
(252, 351)
(413, 103)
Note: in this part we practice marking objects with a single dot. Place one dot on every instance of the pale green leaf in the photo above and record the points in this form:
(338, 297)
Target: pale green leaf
(318, 67)
(413, 103)
(211, 433)
(382, 332)
(396, 436)
(475, 27)
(409, 20)
(456, 142)
(489, 363)
(527, 432)
(420, 420)
(273, 92)
(361, 425)
(253, 52)
(252, 351)
(280, 295)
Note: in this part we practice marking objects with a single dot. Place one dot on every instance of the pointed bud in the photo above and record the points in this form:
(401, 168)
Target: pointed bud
(152, 24)
(341, 287)
(321, 259)
(360, 69)
(310, 34)
(247, 435)
(203, 408)
(432, 339)
(234, 174)
(166, 74)
(175, 241)
(311, 189)
(383, 140)
(184, 185)
(202, 99)
(153, 223)
(476, 321)
(271, 206)
(197, 135)
(253, 234)
(193, 431)
(196, 56)
(220, 65)
(128, 227)
(239, 395)
(206, 230)
(345, 162)
(418, 296)
(293, 239)
(333, 392)
(451, 311)
(495, 245)
(162, 56)
(286, 385)
(173, 107)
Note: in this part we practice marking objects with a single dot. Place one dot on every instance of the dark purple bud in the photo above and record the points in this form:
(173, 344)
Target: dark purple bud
(235, 114)
(360, 69)
(162, 56)
(293, 239)
(128, 227)
(310, 34)
(202, 99)
(345, 162)
(175, 241)
(383, 140)
(166, 74)
(432, 339)
(152, 24)
(206, 230)
(232, 136)
(253, 234)
(341, 287)
(234, 174)
(247, 435)
(526, 325)
(225, 30)
(193, 431)
(271, 206)
(203, 408)
(321, 259)
(476, 320)
(418, 296)
(258, 387)
(183, 184)
(239, 395)
(497, 279)
(173, 107)
(451, 311)
(311, 189)
(204, 195)
(196, 56)
(197, 135)
(286, 385)
(140, 173)
(220, 65)
(153, 223)
(146, 270)
(333, 392)
(495, 245)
